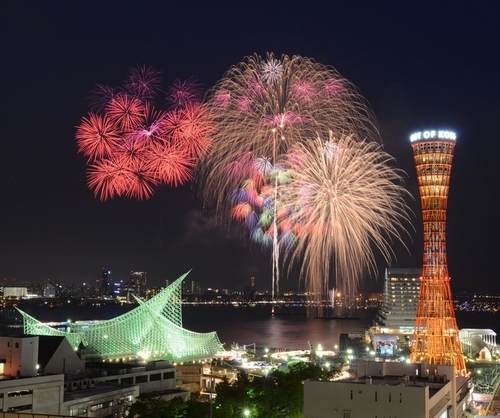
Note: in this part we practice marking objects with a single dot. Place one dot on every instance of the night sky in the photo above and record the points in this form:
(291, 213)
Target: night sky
(419, 64)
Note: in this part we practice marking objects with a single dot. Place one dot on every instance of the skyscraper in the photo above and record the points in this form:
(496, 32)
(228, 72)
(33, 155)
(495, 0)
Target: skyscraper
(436, 338)
(106, 286)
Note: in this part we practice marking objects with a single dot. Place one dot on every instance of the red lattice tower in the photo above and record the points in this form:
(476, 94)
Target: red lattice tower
(436, 339)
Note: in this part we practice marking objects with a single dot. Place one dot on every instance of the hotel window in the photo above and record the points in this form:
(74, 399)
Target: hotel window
(141, 379)
(375, 396)
(155, 377)
(346, 414)
(351, 394)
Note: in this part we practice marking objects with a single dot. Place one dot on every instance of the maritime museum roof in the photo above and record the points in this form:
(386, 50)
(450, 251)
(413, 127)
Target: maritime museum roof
(152, 331)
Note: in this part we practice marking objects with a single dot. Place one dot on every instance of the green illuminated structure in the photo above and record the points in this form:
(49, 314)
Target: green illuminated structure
(152, 331)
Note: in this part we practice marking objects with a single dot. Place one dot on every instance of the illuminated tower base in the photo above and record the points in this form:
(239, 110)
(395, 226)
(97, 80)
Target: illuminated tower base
(436, 338)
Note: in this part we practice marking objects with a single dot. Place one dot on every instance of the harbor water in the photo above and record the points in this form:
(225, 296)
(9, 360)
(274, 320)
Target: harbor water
(248, 325)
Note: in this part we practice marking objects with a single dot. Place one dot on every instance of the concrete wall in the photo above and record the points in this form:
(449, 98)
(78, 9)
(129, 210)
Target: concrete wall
(65, 360)
(20, 354)
(326, 399)
(43, 393)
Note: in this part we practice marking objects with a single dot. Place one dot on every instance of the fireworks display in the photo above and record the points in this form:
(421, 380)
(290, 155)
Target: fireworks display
(285, 147)
(131, 146)
(343, 200)
(269, 171)
(265, 106)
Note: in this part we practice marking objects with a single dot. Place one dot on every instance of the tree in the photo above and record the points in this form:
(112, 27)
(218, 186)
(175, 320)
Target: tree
(153, 406)
(231, 400)
(278, 395)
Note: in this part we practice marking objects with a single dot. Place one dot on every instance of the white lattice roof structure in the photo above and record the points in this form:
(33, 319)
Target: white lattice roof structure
(151, 331)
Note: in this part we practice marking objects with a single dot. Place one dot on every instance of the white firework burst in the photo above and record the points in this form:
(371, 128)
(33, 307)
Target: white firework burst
(272, 70)
(344, 206)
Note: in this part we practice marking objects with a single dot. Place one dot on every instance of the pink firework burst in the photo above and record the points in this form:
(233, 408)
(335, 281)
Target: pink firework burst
(241, 168)
(184, 92)
(143, 82)
(255, 86)
(222, 99)
(281, 120)
(97, 136)
(332, 87)
(244, 103)
(126, 111)
(150, 128)
(304, 91)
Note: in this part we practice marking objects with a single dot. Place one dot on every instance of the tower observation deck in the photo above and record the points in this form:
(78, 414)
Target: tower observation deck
(436, 337)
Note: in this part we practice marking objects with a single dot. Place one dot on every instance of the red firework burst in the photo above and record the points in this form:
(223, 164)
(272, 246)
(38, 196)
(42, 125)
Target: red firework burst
(191, 128)
(131, 150)
(170, 164)
(119, 176)
(126, 111)
(132, 147)
(97, 136)
(140, 180)
(107, 178)
(174, 124)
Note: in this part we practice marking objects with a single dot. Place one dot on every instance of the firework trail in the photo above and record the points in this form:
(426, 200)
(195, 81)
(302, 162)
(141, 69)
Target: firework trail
(264, 107)
(131, 146)
(345, 202)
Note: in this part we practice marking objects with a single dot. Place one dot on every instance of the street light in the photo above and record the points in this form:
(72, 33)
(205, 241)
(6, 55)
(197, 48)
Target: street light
(246, 412)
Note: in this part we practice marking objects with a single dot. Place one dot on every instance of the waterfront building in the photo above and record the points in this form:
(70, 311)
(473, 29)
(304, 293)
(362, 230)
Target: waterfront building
(395, 320)
(391, 389)
(436, 339)
(14, 292)
(401, 292)
(152, 331)
(479, 342)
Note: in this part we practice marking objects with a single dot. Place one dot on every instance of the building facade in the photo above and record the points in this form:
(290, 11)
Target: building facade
(401, 292)
(390, 390)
